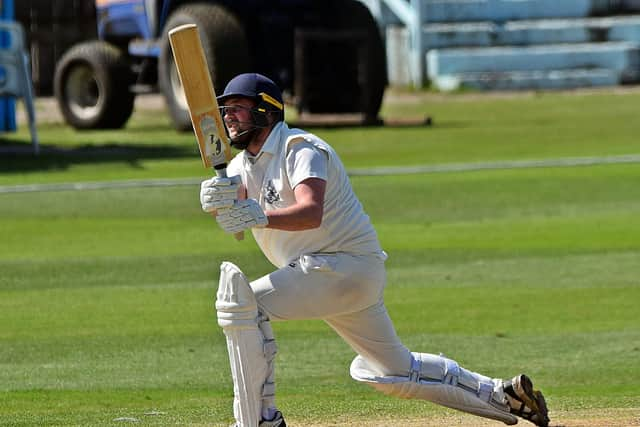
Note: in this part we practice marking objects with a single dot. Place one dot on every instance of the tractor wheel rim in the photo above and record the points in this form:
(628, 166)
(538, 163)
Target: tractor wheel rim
(84, 93)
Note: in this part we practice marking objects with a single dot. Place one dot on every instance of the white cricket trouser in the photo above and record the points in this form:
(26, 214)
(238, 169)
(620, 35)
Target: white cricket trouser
(345, 291)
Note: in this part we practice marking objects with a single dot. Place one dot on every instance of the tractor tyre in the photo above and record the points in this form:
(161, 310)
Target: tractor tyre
(376, 57)
(225, 45)
(92, 86)
(355, 86)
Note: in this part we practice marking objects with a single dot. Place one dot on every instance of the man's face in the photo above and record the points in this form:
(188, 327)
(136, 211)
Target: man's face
(237, 116)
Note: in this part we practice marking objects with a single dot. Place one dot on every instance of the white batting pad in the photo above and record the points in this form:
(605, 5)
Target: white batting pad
(442, 381)
(237, 315)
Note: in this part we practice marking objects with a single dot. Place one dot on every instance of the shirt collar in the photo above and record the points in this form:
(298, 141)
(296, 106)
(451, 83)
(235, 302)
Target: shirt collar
(270, 145)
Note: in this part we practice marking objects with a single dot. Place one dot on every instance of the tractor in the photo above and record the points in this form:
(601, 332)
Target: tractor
(327, 56)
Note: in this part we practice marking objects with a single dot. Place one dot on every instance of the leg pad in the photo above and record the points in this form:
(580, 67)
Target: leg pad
(442, 381)
(238, 316)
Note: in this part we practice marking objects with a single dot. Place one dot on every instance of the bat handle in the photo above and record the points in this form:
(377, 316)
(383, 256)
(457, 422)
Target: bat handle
(222, 173)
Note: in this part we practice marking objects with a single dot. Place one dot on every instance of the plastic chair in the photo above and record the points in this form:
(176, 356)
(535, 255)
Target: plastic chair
(15, 72)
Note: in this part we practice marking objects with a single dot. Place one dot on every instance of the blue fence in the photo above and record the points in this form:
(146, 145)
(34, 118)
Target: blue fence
(7, 104)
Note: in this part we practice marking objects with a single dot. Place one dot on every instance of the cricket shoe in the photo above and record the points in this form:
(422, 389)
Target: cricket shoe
(526, 402)
(277, 421)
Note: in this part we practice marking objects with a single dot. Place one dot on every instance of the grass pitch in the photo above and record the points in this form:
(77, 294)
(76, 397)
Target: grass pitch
(106, 296)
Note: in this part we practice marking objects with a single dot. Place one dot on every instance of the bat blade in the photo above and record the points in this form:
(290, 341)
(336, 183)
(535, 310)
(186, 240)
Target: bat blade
(200, 95)
(193, 71)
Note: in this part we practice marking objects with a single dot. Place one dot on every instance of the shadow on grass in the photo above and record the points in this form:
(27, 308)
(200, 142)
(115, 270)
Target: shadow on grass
(349, 121)
(20, 157)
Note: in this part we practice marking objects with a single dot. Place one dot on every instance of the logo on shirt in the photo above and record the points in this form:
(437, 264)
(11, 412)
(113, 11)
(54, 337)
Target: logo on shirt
(271, 196)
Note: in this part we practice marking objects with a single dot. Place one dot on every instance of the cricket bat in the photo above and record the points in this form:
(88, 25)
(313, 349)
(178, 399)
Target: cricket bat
(208, 127)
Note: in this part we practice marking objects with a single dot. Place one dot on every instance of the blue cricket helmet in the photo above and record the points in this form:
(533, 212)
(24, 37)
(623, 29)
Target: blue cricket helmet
(255, 86)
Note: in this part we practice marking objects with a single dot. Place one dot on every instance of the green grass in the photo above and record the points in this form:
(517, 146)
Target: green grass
(106, 296)
(465, 130)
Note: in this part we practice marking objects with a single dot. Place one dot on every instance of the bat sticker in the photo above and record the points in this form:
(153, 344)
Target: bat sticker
(214, 149)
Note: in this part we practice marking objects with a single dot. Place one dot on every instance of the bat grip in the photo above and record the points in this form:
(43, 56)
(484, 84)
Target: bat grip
(222, 173)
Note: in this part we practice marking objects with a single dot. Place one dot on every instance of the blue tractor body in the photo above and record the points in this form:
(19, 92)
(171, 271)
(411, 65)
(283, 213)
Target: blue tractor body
(130, 20)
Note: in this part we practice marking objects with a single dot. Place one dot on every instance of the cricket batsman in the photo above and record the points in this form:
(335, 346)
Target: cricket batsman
(291, 190)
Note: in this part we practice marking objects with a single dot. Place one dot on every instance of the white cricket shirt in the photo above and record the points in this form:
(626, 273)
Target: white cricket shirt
(288, 157)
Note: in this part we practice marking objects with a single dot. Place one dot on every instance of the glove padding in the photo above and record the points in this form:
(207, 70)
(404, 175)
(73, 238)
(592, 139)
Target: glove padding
(217, 193)
(242, 215)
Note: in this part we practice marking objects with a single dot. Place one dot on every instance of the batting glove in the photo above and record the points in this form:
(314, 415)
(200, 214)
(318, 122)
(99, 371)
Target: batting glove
(242, 215)
(217, 193)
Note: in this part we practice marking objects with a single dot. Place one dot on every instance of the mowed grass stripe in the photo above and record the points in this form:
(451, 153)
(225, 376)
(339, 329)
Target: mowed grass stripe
(137, 382)
(454, 269)
(602, 199)
(171, 271)
(375, 171)
(90, 311)
(615, 231)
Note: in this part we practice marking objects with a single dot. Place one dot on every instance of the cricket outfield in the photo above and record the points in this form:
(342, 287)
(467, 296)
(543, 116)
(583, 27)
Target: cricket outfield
(106, 294)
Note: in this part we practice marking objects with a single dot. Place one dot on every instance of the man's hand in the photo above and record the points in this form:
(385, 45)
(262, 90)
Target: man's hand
(217, 193)
(242, 215)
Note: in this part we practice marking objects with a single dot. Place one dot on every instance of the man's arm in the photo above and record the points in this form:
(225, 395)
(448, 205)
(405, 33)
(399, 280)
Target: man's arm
(306, 213)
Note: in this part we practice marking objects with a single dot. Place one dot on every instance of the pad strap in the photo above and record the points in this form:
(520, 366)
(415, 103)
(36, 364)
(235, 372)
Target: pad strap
(451, 372)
